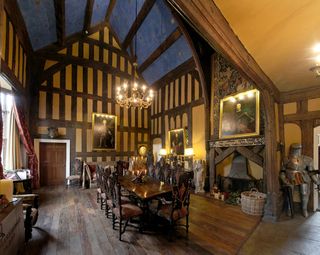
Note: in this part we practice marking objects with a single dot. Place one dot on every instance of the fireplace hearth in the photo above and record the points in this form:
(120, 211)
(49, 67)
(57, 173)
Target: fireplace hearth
(239, 178)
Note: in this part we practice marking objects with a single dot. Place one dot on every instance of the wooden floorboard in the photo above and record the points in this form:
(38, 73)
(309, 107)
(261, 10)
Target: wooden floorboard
(71, 222)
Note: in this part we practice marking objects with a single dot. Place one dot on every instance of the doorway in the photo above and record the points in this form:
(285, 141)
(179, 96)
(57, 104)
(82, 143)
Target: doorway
(52, 163)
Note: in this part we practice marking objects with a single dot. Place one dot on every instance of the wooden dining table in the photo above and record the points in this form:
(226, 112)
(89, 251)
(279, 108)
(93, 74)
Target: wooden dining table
(148, 189)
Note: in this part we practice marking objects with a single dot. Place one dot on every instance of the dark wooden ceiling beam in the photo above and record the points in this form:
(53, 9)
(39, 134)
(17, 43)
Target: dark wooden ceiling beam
(66, 60)
(109, 11)
(299, 94)
(88, 16)
(59, 6)
(145, 9)
(71, 39)
(15, 15)
(174, 36)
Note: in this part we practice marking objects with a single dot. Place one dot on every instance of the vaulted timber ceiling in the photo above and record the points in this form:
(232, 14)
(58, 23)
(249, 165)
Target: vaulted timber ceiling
(279, 35)
(160, 45)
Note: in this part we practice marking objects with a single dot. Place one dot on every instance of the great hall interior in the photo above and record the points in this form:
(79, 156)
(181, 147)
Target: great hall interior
(159, 127)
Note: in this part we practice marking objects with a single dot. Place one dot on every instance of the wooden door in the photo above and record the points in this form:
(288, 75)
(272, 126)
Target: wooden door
(52, 163)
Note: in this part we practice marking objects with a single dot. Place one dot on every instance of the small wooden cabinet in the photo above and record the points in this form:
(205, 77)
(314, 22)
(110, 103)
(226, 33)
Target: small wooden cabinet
(12, 229)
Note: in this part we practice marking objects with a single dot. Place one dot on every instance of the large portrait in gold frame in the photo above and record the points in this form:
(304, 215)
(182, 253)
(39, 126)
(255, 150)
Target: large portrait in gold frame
(104, 131)
(177, 141)
(239, 115)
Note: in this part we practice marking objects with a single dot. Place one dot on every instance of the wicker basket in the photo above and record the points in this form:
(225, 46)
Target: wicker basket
(252, 202)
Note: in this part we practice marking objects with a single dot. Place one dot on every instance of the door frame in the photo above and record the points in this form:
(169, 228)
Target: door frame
(37, 149)
(316, 145)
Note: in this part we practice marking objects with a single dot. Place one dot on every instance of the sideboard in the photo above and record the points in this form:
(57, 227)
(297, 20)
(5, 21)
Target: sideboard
(12, 228)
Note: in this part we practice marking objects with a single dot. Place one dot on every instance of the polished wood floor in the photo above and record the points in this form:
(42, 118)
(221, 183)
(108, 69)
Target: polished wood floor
(71, 222)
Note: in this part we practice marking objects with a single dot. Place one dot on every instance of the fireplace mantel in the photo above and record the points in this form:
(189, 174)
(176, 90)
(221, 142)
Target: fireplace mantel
(249, 141)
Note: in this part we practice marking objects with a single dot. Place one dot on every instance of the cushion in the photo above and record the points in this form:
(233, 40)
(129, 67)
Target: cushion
(73, 177)
(109, 203)
(165, 212)
(92, 170)
(128, 211)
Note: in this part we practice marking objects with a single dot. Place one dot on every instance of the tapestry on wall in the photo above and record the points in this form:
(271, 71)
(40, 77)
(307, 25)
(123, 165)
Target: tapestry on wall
(227, 81)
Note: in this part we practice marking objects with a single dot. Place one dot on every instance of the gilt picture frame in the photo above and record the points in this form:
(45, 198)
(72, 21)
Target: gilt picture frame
(240, 115)
(177, 141)
(104, 132)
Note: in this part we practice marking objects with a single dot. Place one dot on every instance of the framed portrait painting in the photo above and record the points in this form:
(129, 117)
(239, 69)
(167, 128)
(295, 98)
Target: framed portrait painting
(239, 115)
(177, 141)
(104, 131)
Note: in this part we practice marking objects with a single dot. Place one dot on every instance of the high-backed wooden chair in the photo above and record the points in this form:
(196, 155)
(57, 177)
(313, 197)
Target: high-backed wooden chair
(100, 185)
(76, 177)
(178, 208)
(122, 212)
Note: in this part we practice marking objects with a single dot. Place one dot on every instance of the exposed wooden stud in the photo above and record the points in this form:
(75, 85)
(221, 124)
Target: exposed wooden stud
(9, 75)
(179, 109)
(302, 116)
(145, 9)
(87, 17)
(224, 154)
(187, 66)
(109, 11)
(65, 60)
(250, 155)
(300, 94)
(13, 10)
(174, 36)
(59, 6)
(70, 40)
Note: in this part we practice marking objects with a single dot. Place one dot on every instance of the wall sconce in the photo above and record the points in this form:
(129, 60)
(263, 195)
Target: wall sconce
(163, 152)
(188, 152)
(316, 70)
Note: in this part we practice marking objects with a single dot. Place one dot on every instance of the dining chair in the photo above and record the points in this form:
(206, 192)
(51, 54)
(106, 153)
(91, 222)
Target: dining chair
(99, 183)
(76, 177)
(123, 212)
(178, 208)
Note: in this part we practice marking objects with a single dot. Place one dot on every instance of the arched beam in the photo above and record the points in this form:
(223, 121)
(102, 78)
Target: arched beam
(207, 19)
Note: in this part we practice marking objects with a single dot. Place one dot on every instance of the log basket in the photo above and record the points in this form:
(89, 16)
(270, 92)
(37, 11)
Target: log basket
(252, 202)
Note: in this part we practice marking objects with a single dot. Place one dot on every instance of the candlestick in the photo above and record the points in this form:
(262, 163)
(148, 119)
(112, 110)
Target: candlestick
(6, 188)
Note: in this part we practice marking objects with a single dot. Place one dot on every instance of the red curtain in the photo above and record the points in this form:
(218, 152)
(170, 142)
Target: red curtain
(26, 139)
(1, 133)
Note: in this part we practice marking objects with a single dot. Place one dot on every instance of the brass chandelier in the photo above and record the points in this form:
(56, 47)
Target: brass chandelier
(133, 94)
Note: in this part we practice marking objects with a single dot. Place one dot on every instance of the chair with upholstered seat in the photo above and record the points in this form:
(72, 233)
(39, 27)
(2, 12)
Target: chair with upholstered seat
(178, 207)
(100, 186)
(123, 212)
(76, 177)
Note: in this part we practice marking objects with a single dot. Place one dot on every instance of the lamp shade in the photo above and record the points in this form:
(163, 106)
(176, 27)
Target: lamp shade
(188, 152)
(163, 152)
(6, 188)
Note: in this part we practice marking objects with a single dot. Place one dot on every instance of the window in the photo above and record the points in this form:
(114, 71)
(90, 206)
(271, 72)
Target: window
(6, 104)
